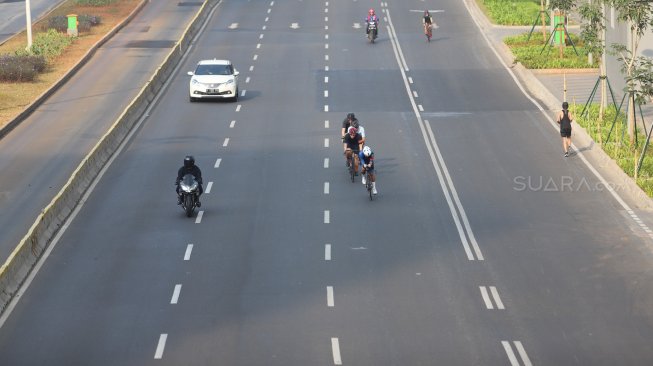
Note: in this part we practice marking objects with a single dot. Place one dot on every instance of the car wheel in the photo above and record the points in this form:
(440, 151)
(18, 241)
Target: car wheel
(192, 99)
(235, 97)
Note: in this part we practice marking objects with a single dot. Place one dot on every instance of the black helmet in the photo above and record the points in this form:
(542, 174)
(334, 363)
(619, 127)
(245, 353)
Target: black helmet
(354, 124)
(189, 161)
(351, 116)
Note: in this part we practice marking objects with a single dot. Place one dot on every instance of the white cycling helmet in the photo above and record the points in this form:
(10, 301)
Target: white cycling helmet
(367, 151)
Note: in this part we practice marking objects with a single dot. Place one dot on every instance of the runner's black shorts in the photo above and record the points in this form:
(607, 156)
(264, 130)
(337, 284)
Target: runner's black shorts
(565, 132)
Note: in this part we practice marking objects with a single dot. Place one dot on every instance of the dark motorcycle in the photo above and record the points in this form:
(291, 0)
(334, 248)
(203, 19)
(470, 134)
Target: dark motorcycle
(371, 31)
(189, 192)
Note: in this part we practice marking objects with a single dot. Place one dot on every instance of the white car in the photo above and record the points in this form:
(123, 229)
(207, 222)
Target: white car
(214, 79)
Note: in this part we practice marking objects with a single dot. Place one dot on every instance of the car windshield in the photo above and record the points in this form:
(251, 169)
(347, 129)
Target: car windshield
(213, 70)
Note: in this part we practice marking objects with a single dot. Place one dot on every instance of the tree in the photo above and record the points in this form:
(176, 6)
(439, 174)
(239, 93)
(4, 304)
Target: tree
(638, 14)
(593, 35)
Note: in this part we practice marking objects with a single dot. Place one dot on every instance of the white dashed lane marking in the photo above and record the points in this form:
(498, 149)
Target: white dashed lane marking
(242, 93)
(511, 355)
(326, 142)
(161, 346)
(327, 217)
(326, 123)
(327, 252)
(326, 107)
(175, 295)
(198, 219)
(208, 188)
(232, 124)
(326, 163)
(226, 142)
(488, 300)
(217, 163)
(335, 349)
(238, 107)
(255, 57)
(326, 187)
(330, 300)
(189, 251)
(326, 79)
(326, 93)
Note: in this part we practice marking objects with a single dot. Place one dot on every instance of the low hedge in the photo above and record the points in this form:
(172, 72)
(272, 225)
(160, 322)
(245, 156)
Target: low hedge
(95, 2)
(511, 12)
(21, 68)
(60, 23)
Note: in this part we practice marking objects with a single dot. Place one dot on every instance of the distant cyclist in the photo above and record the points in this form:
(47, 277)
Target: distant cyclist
(367, 161)
(428, 23)
(352, 144)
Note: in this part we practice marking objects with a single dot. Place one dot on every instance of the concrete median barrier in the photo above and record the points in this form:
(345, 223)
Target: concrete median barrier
(25, 256)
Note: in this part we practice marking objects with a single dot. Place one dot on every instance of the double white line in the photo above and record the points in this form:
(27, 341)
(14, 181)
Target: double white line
(457, 211)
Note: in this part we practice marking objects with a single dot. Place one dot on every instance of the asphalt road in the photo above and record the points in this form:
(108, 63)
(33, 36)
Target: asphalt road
(13, 18)
(464, 258)
(38, 156)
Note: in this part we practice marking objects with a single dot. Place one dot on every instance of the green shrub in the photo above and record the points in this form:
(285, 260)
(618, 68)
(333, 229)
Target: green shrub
(511, 12)
(60, 23)
(95, 2)
(530, 54)
(50, 44)
(618, 147)
(16, 68)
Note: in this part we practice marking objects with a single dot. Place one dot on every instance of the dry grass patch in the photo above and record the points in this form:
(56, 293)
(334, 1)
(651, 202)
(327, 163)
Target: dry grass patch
(15, 97)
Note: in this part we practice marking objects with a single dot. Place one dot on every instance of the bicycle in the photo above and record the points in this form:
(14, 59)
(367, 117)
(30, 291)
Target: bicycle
(428, 31)
(351, 159)
(368, 183)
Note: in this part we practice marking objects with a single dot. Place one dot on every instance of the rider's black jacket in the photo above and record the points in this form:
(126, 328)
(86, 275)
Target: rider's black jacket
(194, 170)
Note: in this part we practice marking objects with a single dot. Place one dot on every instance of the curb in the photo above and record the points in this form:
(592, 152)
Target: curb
(21, 261)
(616, 175)
(87, 56)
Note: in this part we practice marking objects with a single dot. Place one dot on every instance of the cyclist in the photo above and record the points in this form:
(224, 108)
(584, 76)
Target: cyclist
(360, 129)
(367, 161)
(352, 144)
(347, 123)
(427, 21)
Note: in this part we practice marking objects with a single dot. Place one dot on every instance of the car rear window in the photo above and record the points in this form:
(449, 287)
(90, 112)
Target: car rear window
(213, 70)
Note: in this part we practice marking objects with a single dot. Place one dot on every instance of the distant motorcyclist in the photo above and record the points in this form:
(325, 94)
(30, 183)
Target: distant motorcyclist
(189, 167)
(371, 18)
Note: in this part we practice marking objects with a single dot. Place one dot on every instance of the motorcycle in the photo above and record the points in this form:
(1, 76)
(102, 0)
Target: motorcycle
(188, 190)
(371, 31)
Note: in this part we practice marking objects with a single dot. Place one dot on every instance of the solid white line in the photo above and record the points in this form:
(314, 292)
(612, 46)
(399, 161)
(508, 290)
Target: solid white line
(242, 94)
(327, 252)
(238, 108)
(326, 187)
(247, 80)
(335, 348)
(330, 296)
(486, 298)
(217, 163)
(327, 218)
(510, 353)
(161, 346)
(394, 35)
(497, 299)
(522, 353)
(326, 93)
(226, 142)
(208, 188)
(326, 123)
(198, 219)
(326, 142)
(430, 149)
(326, 162)
(255, 57)
(189, 250)
(175, 294)
(326, 79)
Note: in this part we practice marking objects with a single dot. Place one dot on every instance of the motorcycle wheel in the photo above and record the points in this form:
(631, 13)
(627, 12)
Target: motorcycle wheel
(189, 205)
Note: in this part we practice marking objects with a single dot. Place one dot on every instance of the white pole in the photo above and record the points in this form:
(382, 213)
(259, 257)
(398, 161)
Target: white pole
(28, 16)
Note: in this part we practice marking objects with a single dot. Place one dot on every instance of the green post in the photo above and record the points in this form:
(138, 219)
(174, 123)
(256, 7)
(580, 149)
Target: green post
(558, 29)
(72, 25)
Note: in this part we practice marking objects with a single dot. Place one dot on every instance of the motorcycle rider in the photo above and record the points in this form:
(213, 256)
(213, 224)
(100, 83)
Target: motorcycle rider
(189, 167)
(366, 157)
(371, 17)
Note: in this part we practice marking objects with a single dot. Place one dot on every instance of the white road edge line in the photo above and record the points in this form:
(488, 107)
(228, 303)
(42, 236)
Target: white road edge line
(175, 294)
(189, 251)
(335, 349)
(438, 162)
(160, 346)
(21, 291)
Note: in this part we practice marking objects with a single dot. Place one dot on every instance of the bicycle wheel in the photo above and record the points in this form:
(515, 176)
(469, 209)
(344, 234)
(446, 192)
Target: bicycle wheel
(368, 185)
